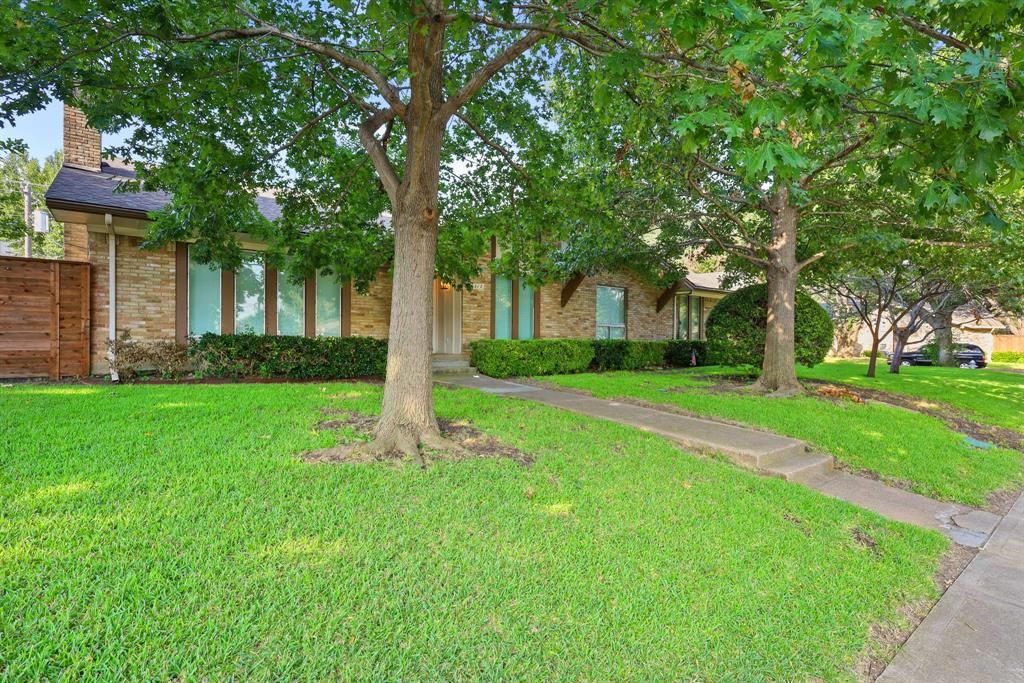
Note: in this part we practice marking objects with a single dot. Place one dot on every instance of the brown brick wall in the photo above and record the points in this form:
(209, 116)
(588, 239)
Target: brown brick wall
(371, 312)
(579, 317)
(76, 242)
(82, 144)
(145, 293)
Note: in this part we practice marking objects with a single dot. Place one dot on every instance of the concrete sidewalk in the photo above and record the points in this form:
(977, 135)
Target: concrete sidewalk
(768, 454)
(975, 633)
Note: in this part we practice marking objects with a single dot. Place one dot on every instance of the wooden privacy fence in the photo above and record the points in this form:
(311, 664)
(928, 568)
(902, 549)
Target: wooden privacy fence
(1008, 342)
(44, 318)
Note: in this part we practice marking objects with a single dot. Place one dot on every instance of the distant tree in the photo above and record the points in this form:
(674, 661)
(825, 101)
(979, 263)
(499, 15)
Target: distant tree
(779, 129)
(17, 168)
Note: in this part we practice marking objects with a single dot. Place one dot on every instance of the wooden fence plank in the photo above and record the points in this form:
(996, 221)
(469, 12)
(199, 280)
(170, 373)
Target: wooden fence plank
(44, 317)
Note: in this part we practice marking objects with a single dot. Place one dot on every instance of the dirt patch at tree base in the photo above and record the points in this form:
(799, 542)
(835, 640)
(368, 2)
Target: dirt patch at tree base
(887, 638)
(471, 443)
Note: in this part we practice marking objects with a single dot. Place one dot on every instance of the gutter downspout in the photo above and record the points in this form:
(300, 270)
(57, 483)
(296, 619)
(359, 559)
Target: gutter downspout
(112, 293)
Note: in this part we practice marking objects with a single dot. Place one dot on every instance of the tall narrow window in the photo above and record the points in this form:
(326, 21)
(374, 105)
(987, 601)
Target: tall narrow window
(328, 306)
(502, 308)
(251, 294)
(682, 316)
(695, 316)
(203, 298)
(291, 305)
(525, 311)
(611, 313)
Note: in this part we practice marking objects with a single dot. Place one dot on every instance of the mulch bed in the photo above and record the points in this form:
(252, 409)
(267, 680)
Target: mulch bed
(473, 442)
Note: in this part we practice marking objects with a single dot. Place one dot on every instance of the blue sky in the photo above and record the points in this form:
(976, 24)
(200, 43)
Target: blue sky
(43, 131)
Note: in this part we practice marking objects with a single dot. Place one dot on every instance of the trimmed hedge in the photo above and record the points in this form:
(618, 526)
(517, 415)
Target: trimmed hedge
(1008, 356)
(736, 328)
(522, 358)
(627, 354)
(257, 355)
(682, 353)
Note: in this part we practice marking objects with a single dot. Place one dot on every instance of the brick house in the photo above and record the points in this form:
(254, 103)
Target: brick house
(163, 294)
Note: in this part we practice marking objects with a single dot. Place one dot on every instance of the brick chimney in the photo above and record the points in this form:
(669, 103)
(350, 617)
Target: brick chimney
(82, 146)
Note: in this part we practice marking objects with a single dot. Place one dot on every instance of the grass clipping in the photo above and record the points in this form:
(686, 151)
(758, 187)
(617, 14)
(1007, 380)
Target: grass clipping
(473, 443)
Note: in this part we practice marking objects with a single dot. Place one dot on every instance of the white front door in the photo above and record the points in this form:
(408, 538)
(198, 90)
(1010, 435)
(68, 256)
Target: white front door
(447, 319)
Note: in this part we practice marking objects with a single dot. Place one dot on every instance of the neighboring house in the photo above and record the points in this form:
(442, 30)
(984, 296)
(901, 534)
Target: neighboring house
(968, 328)
(164, 294)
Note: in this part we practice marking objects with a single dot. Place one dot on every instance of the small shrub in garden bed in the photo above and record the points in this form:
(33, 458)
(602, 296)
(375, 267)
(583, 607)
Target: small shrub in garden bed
(254, 355)
(684, 353)
(522, 358)
(628, 354)
(1008, 356)
(128, 356)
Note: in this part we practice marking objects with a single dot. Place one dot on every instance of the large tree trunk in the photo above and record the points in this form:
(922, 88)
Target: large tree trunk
(944, 337)
(899, 341)
(778, 371)
(407, 417)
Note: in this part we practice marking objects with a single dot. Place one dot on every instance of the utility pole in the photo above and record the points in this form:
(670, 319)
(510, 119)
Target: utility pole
(26, 193)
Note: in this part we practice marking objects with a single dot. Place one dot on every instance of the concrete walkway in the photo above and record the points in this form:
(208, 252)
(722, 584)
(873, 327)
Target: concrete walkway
(769, 454)
(975, 633)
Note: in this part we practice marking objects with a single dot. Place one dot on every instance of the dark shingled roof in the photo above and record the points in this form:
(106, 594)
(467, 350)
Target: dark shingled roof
(82, 190)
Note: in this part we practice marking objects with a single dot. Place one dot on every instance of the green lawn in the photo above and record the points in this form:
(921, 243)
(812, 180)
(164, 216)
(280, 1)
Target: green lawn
(893, 442)
(984, 395)
(171, 532)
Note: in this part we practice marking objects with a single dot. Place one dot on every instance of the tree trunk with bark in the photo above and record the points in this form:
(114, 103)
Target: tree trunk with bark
(873, 361)
(943, 325)
(407, 420)
(899, 342)
(778, 370)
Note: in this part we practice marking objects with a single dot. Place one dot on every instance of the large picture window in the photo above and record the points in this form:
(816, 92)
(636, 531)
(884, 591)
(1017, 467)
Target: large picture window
(203, 298)
(251, 294)
(291, 305)
(611, 312)
(328, 306)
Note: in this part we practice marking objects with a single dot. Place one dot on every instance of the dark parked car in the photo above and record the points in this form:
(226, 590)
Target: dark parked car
(966, 355)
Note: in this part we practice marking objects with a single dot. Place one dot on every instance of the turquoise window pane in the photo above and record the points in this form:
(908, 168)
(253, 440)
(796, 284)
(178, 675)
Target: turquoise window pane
(251, 294)
(328, 306)
(525, 311)
(291, 306)
(203, 298)
(611, 306)
(502, 308)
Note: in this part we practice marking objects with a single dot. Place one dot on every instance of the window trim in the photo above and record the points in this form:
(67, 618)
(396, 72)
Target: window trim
(625, 313)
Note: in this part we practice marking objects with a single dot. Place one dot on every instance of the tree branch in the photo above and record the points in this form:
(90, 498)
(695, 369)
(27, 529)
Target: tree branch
(479, 79)
(490, 142)
(378, 154)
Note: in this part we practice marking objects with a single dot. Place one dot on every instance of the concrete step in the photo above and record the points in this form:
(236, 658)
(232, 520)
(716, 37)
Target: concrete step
(800, 467)
(468, 370)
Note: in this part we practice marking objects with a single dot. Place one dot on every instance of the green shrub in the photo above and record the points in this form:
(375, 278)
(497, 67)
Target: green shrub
(523, 358)
(1008, 356)
(627, 354)
(681, 353)
(736, 328)
(256, 355)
